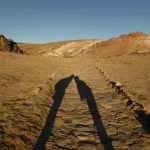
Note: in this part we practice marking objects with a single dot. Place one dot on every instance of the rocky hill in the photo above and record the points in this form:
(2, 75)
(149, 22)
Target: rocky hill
(9, 45)
(132, 43)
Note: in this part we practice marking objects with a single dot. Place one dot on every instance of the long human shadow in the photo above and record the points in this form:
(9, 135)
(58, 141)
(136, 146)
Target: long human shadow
(60, 88)
(86, 94)
(144, 119)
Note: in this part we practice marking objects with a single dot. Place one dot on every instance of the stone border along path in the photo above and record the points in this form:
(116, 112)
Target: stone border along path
(99, 121)
(135, 106)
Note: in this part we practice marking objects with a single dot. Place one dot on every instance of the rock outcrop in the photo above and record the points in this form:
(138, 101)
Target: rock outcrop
(9, 45)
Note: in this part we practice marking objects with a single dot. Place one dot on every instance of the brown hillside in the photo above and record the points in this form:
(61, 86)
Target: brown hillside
(62, 49)
(133, 43)
(33, 49)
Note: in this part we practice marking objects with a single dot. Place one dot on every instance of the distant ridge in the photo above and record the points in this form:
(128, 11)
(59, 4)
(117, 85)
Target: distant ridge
(132, 43)
(135, 43)
(59, 49)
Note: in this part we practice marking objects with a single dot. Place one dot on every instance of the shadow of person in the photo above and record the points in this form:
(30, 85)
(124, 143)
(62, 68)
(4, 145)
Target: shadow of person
(144, 119)
(86, 94)
(60, 88)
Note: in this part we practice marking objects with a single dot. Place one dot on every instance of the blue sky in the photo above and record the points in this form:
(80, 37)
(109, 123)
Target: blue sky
(42, 21)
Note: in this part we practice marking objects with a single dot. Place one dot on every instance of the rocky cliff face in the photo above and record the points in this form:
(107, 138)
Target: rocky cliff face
(9, 45)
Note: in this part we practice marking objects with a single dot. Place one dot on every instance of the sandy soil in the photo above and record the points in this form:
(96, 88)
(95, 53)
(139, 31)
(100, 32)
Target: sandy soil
(27, 108)
(133, 72)
(22, 73)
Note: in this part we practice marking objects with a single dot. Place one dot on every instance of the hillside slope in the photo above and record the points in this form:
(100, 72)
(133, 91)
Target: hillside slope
(64, 48)
(133, 43)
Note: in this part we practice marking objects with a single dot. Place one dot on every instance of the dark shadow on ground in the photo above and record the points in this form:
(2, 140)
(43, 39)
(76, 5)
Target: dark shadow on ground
(86, 94)
(144, 119)
(60, 88)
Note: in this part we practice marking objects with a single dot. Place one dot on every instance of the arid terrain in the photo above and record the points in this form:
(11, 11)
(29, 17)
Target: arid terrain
(76, 95)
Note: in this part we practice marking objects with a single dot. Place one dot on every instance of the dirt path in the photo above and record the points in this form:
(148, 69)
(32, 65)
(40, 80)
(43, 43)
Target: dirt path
(87, 115)
(83, 113)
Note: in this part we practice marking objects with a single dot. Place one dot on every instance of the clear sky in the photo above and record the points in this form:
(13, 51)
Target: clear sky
(41, 21)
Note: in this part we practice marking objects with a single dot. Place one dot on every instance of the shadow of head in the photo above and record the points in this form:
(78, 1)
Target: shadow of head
(61, 86)
(63, 83)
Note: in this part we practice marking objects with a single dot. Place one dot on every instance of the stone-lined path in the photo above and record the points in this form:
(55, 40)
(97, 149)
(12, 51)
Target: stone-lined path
(86, 114)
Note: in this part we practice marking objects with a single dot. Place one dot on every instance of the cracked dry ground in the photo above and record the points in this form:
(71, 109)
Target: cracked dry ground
(82, 113)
